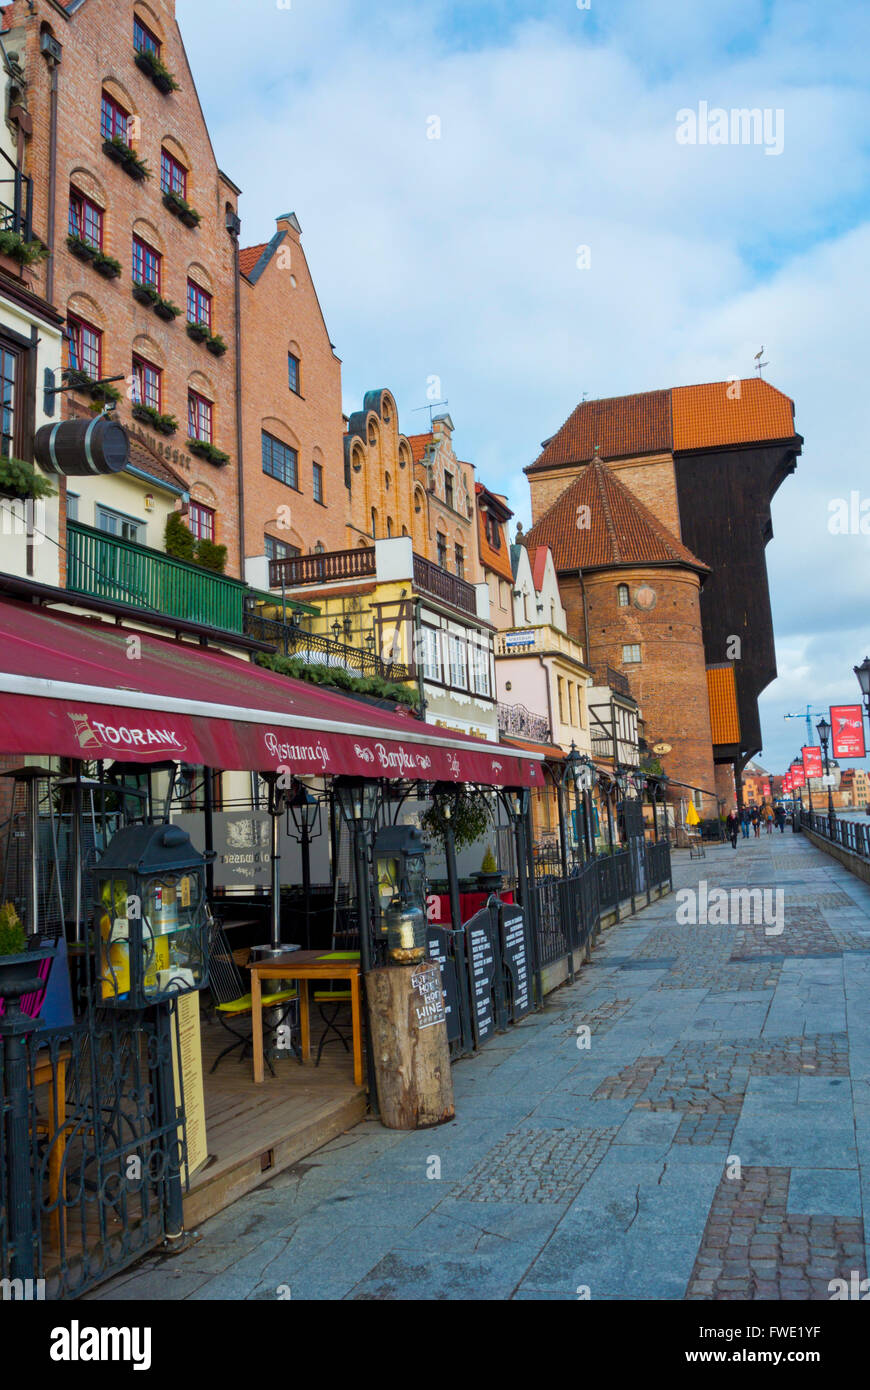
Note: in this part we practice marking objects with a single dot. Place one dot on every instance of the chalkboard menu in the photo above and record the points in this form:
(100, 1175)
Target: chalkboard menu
(483, 963)
(516, 959)
(439, 947)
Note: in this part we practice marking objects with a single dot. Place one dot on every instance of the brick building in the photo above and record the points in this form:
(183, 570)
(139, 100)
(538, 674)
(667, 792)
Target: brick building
(295, 498)
(140, 222)
(706, 461)
(631, 593)
(385, 489)
(493, 515)
(451, 518)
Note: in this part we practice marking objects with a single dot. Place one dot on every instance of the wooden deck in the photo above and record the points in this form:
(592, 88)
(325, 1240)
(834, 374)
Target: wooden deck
(255, 1131)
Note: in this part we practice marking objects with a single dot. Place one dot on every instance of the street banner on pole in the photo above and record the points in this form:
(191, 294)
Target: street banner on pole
(847, 731)
(812, 757)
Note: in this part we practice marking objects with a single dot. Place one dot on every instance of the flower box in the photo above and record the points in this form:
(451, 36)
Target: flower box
(160, 75)
(82, 249)
(124, 154)
(145, 294)
(107, 266)
(115, 150)
(199, 332)
(216, 345)
(208, 451)
(164, 424)
(181, 208)
(165, 309)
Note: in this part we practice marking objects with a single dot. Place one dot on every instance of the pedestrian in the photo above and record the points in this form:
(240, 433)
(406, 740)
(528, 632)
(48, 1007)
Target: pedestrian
(768, 819)
(756, 822)
(780, 817)
(732, 825)
(744, 822)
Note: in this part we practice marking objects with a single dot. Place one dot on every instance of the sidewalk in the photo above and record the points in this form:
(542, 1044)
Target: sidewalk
(612, 1168)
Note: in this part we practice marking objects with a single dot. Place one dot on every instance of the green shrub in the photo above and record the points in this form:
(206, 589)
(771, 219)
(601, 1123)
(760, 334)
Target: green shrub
(336, 676)
(211, 556)
(489, 866)
(12, 938)
(22, 478)
(178, 539)
(469, 817)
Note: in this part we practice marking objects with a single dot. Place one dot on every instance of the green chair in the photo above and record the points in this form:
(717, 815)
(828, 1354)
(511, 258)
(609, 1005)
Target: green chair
(333, 999)
(232, 1001)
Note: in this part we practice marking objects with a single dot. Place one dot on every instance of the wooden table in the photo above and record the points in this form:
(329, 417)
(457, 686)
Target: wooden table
(304, 966)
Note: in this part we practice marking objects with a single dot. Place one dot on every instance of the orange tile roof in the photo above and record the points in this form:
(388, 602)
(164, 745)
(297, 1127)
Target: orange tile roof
(418, 443)
(621, 426)
(707, 416)
(498, 560)
(249, 255)
(620, 529)
(722, 694)
(712, 416)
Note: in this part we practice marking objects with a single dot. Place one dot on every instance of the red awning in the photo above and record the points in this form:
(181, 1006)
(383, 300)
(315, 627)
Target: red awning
(79, 688)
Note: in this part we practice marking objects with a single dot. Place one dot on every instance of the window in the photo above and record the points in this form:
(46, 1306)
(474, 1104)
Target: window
(293, 372)
(200, 520)
(317, 482)
(85, 219)
(493, 531)
(280, 461)
(389, 526)
(114, 120)
(631, 653)
(460, 561)
(9, 385)
(442, 550)
(116, 524)
(146, 383)
(85, 348)
(622, 595)
(173, 175)
(480, 668)
(448, 488)
(198, 304)
(570, 685)
(144, 41)
(561, 690)
(146, 264)
(72, 506)
(431, 654)
(458, 663)
(374, 523)
(279, 550)
(199, 417)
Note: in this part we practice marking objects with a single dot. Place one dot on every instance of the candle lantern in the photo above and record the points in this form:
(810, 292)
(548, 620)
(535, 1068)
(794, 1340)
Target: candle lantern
(153, 915)
(406, 932)
(400, 871)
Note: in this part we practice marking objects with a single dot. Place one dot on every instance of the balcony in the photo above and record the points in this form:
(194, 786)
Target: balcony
(605, 675)
(543, 639)
(16, 199)
(520, 722)
(298, 570)
(289, 639)
(432, 579)
(104, 566)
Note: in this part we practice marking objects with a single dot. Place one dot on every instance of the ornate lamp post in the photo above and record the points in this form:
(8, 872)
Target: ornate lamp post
(863, 674)
(357, 800)
(303, 813)
(573, 765)
(823, 729)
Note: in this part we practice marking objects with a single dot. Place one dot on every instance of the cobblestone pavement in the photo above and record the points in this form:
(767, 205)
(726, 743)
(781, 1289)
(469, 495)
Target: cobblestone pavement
(708, 1137)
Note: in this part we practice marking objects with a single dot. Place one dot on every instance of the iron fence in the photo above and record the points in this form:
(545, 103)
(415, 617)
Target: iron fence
(849, 834)
(314, 648)
(614, 878)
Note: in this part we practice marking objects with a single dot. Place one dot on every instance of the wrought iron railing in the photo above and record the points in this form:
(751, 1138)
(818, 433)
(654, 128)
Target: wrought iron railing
(108, 567)
(313, 647)
(848, 834)
(323, 568)
(566, 913)
(17, 215)
(522, 723)
(605, 675)
(432, 579)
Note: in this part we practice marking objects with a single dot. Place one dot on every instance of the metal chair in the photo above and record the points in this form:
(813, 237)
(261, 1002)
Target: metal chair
(233, 1002)
(345, 933)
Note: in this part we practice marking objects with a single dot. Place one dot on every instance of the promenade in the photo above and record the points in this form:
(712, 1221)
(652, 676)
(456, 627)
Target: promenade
(712, 1140)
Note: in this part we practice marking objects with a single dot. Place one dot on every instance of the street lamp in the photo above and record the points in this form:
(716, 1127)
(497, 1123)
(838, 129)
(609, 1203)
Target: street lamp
(863, 674)
(823, 729)
(357, 800)
(303, 812)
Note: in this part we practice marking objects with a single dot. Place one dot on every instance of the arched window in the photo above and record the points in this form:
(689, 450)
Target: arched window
(374, 523)
(389, 526)
(387, 482)
(622, 598)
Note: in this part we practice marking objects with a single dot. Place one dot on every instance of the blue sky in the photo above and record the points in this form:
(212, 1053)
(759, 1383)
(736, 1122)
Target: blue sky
(457, 257)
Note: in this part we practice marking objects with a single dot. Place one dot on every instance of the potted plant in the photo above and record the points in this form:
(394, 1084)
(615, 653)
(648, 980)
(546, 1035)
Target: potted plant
(106, 266)
(216, 345)
(19, 968)
(165, 309)
(81, 248)
(208, 451)
(156, 69)
(199, 332)
(20, 479)
(489, 877)
(116, 149)
(164, 424)
(181, 208)
(18, 254)
(468, 818)
(145, 294)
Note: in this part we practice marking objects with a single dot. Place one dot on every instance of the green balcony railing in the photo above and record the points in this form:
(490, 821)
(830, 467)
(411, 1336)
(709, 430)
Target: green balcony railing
(105, 566)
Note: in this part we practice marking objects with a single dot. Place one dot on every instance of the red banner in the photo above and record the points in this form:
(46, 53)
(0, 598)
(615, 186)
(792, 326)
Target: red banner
(847, 731)
(765, 789)
(812, 757)
(798, 777)
(786, 782)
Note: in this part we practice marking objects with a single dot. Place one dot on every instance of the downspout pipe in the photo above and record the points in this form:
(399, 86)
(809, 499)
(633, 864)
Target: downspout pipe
(234, 230)
(53, 64)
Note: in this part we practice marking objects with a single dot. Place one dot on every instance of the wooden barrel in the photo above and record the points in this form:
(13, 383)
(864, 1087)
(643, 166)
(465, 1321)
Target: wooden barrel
(77, 448)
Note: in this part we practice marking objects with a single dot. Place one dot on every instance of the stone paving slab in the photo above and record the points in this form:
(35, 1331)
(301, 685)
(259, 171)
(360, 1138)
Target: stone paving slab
(709, 1139)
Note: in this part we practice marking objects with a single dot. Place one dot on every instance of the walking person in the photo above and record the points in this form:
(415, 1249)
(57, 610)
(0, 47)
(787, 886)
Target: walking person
(756, 822)
(732, 825)
(768, 819)
(780, 817)
(744, 822)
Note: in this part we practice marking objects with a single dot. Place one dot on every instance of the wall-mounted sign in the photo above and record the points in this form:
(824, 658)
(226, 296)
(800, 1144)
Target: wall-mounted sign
(519, 639)
(645, 597)
(847, 731)
(661, 748)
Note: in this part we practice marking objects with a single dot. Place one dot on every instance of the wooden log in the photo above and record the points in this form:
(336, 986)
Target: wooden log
(409, 1045)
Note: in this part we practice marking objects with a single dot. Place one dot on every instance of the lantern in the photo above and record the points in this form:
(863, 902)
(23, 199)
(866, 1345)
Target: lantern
(406, 932)
(153, 916)
(400, 871)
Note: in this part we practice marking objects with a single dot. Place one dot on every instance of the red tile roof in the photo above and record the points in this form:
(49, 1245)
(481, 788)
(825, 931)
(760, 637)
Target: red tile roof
(612, 529)
(249, 255)
(145, 459)
(419, 443)
(707, 416)
(538, 558)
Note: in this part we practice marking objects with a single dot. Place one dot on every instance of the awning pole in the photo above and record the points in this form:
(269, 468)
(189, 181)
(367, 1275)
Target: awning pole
(77, 852)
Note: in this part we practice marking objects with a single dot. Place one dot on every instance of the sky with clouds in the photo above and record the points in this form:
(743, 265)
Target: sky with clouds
(457, 257)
